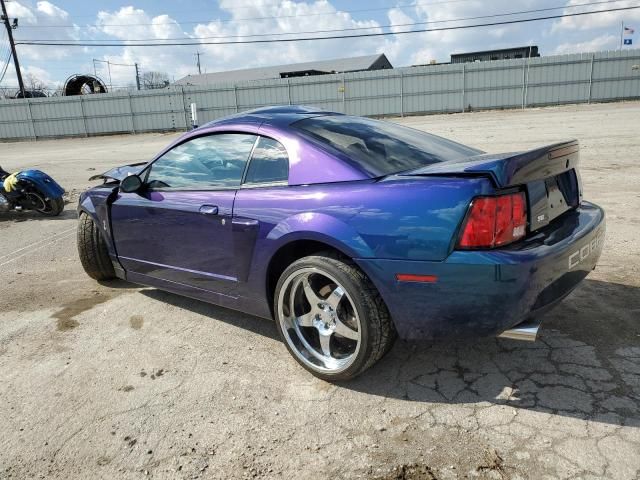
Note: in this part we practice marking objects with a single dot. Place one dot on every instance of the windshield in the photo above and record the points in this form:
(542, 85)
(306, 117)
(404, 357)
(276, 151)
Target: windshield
(382, 148)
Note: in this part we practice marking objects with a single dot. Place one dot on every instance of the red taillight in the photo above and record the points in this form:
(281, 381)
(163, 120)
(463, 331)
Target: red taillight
(494, 221)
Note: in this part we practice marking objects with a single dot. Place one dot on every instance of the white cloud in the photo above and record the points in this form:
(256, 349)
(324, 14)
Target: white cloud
(134, 23)
(45, 20)
(38, 74)
(50, 10)
(603, 42)
(440, 44)
(286, 16)
(600, 20)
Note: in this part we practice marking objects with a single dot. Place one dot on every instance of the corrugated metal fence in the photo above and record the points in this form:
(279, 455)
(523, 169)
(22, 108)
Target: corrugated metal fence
(577, 78)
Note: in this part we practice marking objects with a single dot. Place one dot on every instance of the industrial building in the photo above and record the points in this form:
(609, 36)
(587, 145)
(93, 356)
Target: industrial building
(321, 67)
(503, 54)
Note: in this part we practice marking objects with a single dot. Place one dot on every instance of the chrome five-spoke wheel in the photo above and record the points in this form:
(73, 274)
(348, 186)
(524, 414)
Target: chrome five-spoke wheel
(331, 317)
(319, 320)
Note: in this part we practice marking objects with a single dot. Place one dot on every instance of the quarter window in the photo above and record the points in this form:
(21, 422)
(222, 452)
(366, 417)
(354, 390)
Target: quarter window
(269, 163)
(214, 161)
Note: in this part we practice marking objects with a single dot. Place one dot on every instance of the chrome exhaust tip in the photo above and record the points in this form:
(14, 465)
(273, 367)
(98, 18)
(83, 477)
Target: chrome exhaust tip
(526, 331)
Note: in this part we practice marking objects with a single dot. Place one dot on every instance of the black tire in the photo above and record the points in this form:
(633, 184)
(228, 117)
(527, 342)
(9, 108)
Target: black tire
(93, 250)
(377, 332)
(55, 206)
(49, 208)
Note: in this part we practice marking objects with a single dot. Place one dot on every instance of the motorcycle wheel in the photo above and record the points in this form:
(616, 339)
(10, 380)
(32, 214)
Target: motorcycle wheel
(51, 207)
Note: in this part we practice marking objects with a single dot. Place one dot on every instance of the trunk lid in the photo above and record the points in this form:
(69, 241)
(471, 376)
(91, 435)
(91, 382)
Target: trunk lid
(549, 175)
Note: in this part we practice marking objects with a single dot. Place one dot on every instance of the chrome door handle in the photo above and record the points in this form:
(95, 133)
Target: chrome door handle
(209, 210)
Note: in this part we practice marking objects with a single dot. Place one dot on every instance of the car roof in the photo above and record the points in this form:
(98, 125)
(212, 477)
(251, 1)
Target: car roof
(279, 115)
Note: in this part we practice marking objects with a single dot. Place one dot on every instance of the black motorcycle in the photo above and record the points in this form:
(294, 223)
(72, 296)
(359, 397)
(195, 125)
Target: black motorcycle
(30, 190)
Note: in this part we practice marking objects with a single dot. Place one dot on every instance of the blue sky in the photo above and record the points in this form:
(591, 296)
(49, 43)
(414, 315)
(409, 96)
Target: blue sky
(120, 20)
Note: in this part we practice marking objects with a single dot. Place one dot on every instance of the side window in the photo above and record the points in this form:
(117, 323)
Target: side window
(269, 163)
(213, 161)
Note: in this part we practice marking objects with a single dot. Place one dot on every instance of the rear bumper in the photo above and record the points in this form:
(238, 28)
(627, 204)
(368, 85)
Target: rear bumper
(480, 293)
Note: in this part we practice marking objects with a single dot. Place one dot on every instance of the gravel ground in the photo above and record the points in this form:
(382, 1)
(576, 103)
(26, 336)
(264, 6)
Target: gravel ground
(114, 381)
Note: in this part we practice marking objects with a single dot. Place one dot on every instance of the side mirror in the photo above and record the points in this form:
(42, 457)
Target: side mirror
(131, 184)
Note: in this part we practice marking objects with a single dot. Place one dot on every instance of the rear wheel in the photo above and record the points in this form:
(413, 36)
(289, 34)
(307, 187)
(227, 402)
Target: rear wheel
(93, 250)
(55, 206)
(50, 207)
(331, 317)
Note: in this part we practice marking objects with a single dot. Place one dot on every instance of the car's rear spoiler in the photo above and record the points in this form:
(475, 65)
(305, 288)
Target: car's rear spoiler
(509, 169)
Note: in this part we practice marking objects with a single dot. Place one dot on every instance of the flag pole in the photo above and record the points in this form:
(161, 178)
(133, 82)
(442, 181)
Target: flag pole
(621, 33)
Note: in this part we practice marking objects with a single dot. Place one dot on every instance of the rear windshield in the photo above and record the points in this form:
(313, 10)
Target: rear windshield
(382, 148)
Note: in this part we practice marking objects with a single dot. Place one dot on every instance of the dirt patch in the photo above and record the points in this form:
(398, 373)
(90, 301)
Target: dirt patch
(66, 316)
(136, 322)
(415, 471)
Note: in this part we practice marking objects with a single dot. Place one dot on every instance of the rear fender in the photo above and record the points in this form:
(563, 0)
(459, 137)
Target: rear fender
(43, 182)
(320, 227)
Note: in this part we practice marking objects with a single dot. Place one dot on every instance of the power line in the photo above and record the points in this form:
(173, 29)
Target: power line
(6, 66)
(6, 47)
(333, 37)
(433, 22)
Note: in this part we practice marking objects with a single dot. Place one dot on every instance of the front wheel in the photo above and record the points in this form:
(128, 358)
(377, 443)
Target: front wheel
(92, 249)
(331, 317)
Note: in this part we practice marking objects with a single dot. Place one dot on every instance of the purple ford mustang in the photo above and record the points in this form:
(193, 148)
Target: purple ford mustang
(347, 231)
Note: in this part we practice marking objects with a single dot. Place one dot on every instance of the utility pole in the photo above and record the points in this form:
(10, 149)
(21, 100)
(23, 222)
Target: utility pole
(10, 28)
(137, 76)
(197, 54)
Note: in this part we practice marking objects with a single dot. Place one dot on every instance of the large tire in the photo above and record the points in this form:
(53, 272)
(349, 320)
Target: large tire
(93, 251)
(347, 302)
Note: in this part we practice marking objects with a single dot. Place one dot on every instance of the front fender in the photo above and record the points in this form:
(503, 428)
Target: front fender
(95, 203)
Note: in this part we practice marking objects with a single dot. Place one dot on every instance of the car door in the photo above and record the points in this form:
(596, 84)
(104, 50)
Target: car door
(258, 205)
(177, 228)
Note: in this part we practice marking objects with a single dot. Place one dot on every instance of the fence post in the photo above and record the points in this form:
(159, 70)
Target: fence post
(32, 123)
(184, 109)
(591, 77)
(526, 86)
(464, 86)
(524, 79)
(289, 89)
(84, 117)
(344, 100)
(235, 96)
(133, 120)
(401, 93)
